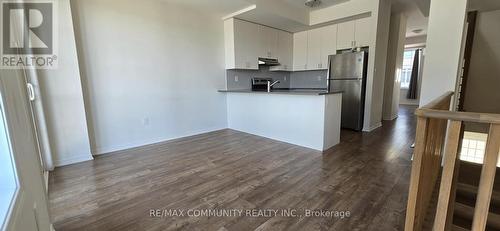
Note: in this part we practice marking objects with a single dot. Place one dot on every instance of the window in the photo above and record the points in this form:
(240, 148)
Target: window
(406, 70)
(8, 180)
(473, 147)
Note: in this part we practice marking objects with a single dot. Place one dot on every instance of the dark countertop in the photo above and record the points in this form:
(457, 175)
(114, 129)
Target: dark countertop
(298, 91)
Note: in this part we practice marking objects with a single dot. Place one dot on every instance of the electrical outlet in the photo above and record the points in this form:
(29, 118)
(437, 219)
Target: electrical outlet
(236, 79)
(284, 78)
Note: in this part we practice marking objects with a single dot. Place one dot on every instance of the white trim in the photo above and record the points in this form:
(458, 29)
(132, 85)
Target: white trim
(73, 160)
(410, 103)
(46, 178)
(373, 127)
(393, 117)
(115, 148)
(13, 208)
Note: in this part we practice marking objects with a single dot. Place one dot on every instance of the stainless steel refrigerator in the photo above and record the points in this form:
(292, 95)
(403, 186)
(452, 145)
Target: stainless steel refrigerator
(347, 73)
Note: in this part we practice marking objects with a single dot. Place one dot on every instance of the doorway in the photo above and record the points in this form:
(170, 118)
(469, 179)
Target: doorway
(8, 177)
(410, 54)
(24, 203)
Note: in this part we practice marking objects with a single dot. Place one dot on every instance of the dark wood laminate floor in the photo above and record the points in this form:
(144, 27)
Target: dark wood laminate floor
(367, 174)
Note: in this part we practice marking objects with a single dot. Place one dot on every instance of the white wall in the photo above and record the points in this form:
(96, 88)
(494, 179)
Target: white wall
(444, 48)
(481, 94)
(416, 41)
(63, 98)
(151, 71)
(377, 67)
(394, 65)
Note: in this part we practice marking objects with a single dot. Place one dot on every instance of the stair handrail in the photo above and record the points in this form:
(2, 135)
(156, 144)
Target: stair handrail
(429, 140)
(435, 121)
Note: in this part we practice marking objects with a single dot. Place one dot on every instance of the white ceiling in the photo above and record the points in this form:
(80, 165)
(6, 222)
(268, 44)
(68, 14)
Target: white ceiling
(484, 5)
(416, 19)
(221, 8)
(225, 7)
(218, 8)
(324, 3)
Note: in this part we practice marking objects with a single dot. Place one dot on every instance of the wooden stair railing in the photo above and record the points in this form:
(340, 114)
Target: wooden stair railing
(432, 150)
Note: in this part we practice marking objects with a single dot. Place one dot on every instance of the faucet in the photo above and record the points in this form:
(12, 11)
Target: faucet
(269, 85)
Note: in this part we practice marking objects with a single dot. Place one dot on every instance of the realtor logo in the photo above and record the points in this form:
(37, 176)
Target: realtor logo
(28, 35)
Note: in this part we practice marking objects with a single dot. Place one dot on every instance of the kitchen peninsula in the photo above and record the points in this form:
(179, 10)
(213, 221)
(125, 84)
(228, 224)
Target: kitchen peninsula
(309, 118)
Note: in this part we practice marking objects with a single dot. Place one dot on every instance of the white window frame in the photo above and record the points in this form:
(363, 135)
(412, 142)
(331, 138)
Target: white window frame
(402, 69)
(5, 217)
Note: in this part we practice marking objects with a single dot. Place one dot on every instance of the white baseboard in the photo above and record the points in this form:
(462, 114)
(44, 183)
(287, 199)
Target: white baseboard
(392, 117)
(121, 147)
(373, 127)
(72, 160)
(46, 178)
(409, 103)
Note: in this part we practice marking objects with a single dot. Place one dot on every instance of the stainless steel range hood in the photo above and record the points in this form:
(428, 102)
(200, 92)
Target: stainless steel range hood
(268, 62)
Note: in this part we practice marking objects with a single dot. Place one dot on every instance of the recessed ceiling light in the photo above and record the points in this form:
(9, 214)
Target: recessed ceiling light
(417, 31)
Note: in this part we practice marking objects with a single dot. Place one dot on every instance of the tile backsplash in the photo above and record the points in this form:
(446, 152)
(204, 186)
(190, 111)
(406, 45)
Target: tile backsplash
(308, 79)
(241, 79)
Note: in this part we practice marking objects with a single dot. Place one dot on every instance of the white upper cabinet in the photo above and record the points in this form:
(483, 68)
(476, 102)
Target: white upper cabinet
(284, 52)
(314, 49)
(363, 30)
(245, 42)
(328, 44)
(268, 42)
(345, 35)
(356, 33)
(241, 44)
(300, 51)
(321, 42)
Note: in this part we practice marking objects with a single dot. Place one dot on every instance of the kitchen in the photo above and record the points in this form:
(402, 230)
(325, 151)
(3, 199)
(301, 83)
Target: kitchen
(301, 87)
(164, 98)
